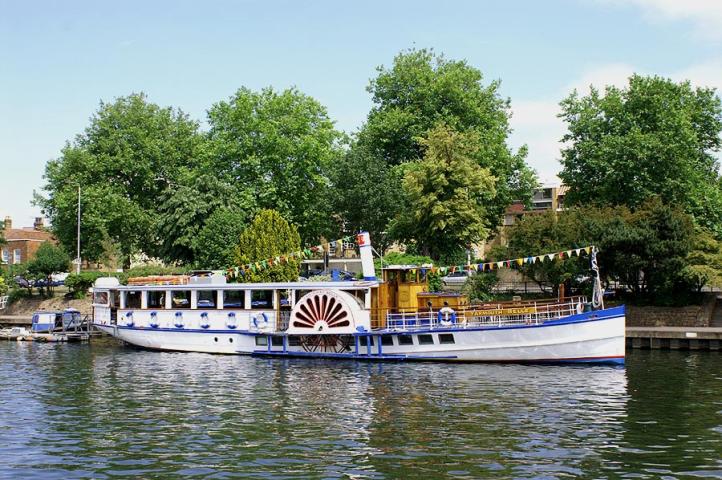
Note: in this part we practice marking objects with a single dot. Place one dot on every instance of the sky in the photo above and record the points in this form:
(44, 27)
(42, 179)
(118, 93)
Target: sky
(59, 59)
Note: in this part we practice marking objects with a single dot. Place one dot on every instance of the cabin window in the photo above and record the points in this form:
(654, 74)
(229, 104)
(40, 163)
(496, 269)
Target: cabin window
(406, 340)
(180, 299)
(207, 298)
(387, 341)
(114, 298)
(426, 339)
(284, 298)
(132, 299)
(100, 298)
(277, 341)
(446, 338)
(262, 299)
(294, 342)
(156, 299)
(261, 341)
(363, 340)
(233, 298)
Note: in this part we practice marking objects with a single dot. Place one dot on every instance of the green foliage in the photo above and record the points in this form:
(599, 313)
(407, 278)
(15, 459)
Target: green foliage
(130, 154)
(655, 137)
(268, 236)
(422, 90)
(215, 244)
(446, 194)
(79, 283)
(4, 287)
(433, 280)
(185, 211)
(545, 233)
(279, 146)
(645, 250)
(479, 286)
(49, 259)
(362, 177)
(397, 258)
(704, 261)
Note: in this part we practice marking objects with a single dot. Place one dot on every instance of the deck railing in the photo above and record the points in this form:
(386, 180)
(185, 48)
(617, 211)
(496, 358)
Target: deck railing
(529, 313)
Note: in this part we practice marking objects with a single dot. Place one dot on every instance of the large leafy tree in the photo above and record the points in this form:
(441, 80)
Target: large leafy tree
(447, 194)
(366, 194)
(422, 89)
(129, 155)
(654, 137)
(215, 244)
(185, 210)
(267, 237)
(280, 145)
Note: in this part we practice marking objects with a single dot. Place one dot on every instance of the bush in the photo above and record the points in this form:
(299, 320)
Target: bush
(79, 283)
(480, 285)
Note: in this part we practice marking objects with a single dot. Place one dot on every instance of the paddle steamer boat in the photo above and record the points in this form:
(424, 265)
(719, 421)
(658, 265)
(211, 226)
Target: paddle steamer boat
(392, 318)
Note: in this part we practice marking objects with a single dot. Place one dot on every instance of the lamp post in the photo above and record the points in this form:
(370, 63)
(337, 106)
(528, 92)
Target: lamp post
(77, 258)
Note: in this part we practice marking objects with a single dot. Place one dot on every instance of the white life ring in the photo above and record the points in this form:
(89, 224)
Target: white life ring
(447, 316)
(260, 321)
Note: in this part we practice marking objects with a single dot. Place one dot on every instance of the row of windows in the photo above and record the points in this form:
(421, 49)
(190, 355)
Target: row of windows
(421, 339)
(181, 299)
(386, 340)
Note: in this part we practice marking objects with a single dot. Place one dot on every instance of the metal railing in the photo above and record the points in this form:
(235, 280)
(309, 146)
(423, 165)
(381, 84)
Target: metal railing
(529, 313)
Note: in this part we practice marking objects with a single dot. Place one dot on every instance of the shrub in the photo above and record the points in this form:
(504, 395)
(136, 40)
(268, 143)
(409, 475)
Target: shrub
(79, 283)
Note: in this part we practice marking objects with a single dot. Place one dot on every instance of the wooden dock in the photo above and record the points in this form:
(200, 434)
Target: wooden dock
(675, 338)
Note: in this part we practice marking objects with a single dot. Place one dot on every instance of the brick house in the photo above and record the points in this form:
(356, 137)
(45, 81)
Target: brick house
(22, 243)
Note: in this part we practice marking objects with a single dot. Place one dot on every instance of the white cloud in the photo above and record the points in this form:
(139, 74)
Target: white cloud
(535, 121)
(705, 15)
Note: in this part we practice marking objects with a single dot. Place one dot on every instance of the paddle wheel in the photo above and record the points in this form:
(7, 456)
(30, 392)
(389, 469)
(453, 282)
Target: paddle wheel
(332, 312)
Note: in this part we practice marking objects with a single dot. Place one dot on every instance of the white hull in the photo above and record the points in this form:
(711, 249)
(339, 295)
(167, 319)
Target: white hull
(589, 337)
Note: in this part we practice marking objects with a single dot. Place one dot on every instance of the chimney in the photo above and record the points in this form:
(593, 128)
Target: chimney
(8, 223)
(38, 225)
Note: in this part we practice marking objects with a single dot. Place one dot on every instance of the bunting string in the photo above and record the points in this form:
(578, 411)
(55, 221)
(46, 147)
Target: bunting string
(515, 262)
(308, 252)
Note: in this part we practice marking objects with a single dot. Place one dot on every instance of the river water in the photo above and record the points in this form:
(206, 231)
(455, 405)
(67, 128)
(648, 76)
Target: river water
(108, 411)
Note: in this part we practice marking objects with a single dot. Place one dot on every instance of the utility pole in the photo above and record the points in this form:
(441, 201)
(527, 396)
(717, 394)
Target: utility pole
(77, 258)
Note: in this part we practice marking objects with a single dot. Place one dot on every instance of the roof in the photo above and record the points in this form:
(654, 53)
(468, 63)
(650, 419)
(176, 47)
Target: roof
(16, 234)
(515, 207)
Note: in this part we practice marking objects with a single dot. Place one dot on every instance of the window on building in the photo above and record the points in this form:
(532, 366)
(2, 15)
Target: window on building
(132, 299)
(180, 299)
(156, 299)
(207, 298)
(233, 298)
(262, 299)
(17, 257)
(5, 256)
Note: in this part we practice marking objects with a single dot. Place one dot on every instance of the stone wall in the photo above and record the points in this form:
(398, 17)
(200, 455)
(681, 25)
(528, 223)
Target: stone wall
(689, 316)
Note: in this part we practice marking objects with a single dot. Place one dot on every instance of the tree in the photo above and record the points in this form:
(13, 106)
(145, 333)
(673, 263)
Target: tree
(215, 244)
(704, 261)
(185, 211)
(423, 89)
(129, 155)
(447, 195)
(654, 137)
(549, 232)
(366, 194)
(280, 146)
(49, 260)
(269, 236)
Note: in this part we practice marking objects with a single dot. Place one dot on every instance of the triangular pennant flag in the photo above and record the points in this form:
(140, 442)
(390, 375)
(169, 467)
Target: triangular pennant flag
(550, 256)
(499, 264)
(569, 253)
(588, 250)
(519, 261)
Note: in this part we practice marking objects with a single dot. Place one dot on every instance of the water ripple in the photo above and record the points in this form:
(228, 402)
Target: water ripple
(106, 411)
